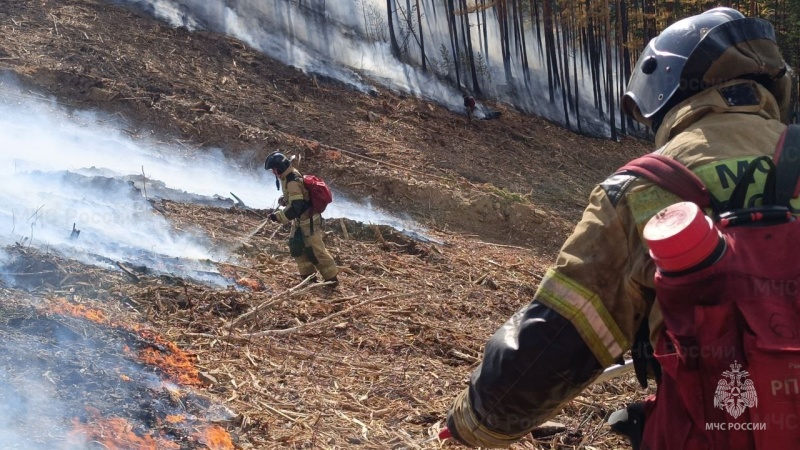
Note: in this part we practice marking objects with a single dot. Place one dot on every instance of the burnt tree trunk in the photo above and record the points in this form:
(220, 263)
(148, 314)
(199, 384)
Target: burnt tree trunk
(537, 23)
(612, 116)
(467, 36)
(421, 39)
(519, 27)
(392, 37)
(505, 41)
(451, 20)
(550, 49)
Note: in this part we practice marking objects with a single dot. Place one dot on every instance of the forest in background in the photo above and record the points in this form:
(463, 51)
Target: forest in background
(600, 39)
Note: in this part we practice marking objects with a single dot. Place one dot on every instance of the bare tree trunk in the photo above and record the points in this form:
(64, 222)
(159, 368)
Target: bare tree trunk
(465, 33)
(502, 18)
(575, 36)
(392, 38)
(566, 88)
(621, 70)
(485, 30)
(550, 49)
(537, 23)
(612, 116)
(519, 26)
(594, 59)
(421, 39)
(451, 20)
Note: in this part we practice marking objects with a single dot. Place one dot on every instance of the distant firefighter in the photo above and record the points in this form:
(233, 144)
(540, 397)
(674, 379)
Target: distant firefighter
(305, 243)
(469, 105)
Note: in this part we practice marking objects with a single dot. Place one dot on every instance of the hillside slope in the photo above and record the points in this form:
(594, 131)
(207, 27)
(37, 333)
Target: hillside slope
(375, 363)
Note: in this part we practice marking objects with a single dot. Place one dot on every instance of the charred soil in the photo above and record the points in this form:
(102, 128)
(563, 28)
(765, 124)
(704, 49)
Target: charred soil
(376, 362)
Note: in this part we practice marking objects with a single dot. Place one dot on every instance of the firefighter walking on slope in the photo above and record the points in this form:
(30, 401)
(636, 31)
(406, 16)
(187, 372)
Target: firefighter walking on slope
(716, 91)
(305, 243)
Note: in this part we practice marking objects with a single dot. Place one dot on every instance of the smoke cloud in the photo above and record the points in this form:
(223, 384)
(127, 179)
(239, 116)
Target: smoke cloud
(347, 40)
(65, 170)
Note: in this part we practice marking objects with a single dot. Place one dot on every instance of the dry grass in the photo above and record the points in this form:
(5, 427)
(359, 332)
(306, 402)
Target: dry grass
(374, 363)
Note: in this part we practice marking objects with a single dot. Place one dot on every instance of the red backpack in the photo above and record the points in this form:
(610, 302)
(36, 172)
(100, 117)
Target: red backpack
(730, 348)
(320, 194)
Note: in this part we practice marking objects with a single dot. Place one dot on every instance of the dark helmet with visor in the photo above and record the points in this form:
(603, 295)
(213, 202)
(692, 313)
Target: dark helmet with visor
(699, 52)
(277, 160)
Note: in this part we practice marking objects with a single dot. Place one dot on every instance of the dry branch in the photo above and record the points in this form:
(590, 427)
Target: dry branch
(283, 295)
(324, 319)
(128, 272)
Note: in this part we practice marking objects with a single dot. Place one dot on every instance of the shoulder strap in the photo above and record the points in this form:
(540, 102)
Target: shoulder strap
(739, 194)
(787, 163)
(671, 175)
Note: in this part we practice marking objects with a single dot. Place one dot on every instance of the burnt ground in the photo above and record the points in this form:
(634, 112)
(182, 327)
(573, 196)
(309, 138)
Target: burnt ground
(376, 363)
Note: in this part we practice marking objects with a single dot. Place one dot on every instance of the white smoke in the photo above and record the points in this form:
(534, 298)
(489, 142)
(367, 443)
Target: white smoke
(345, 39)
(62, 169)
(27, 404)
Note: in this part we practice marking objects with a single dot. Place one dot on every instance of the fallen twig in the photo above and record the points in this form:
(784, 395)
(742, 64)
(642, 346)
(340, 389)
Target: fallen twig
(501, 245)
(128, 272)
(285, 294)
(324, 319)
(9, 274)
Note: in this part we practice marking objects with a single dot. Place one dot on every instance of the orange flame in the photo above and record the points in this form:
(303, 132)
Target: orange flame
(215, 438)
(114, 433)
(174, 362)
(250, 283)
(175, 418)
(63, 307)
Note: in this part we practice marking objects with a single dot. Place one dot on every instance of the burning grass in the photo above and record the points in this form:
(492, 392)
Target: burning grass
(94, 354)
(168, 357)
(372, 364)
(157, 351)
(215, 438)
(114, 433)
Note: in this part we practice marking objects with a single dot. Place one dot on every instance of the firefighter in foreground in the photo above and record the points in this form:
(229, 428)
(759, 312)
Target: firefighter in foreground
(716, 91)
(305, 243)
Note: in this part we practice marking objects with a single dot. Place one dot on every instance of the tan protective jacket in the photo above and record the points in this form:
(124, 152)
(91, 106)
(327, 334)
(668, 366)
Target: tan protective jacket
(589, 307)
(296, 198)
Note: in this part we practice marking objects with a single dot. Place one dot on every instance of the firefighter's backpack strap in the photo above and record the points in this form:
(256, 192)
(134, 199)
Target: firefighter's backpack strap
(787, 163)
(676, 178)
(673, 176)
(739, 194)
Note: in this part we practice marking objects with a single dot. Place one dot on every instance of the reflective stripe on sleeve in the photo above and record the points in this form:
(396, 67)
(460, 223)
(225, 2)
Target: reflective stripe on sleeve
(586, 312)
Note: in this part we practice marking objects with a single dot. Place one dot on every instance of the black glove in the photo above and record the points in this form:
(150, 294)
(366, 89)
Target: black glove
(272, 217)
(281, 201)
(629, 422)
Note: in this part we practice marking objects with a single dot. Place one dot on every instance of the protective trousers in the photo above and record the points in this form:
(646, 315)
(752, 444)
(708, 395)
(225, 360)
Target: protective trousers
(315, 256)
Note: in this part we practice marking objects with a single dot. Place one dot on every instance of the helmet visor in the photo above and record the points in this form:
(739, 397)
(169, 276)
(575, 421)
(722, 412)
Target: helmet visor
(649, 92)
(657, 74)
